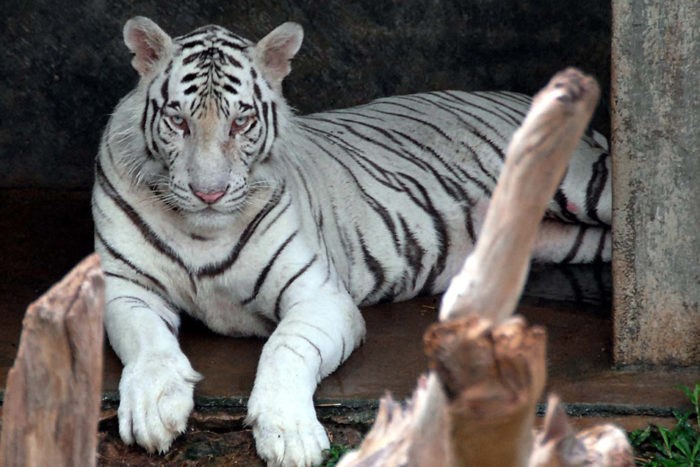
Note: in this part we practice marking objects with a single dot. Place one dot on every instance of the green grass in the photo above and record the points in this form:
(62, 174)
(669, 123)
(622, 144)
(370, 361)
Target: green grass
(334, 454)
(679, 446)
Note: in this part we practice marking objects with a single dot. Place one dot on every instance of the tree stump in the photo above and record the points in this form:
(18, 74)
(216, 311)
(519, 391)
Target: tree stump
(53, 393)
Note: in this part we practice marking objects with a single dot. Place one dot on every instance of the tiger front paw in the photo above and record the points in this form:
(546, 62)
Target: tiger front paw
(288, 436)
(156, 398)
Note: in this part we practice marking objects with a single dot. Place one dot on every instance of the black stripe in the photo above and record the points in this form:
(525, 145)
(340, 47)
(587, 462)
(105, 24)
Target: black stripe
(291, 280)
(494, 111)
(376, 205)
(191, 58)
(275, 125)
(439, 227)
(155, 108)
(170, 326)
(233, 45)
(477, 159)
(266, 124)
(347, 246)
(300, 336)
(277, 216)
(132, 281)
(266, 270)
(562, 202)
(230, 89)
(519, 112)
(151, 145)
(191, 89)
(218, 268)
(148, 234)
(576, 246)
(436, 128)
(189, 77)
(232, 79)
(305, 186)
(345, 112)
(413, 252)
(451, 168)
(164, 89)
(473, 130)
(357, 155)
(141, 304)
(143, 118)
(375, 268)
(391, 101)
(118, 256)
(231, 60)
(595, 187)
(514, 97)
(192, 43)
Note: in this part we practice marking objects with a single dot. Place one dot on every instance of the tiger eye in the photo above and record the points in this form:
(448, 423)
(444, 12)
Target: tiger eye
(180, 123)
(239, 124)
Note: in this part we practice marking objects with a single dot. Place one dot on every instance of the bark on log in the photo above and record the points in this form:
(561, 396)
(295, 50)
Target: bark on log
(52, 398)
(488, 368)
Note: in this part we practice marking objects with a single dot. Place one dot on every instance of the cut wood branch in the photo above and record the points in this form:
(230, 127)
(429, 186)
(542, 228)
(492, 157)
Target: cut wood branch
(492, 279)
(558, 446)
(413, 435)
(493, 378)
(53, 392)
(488, 368)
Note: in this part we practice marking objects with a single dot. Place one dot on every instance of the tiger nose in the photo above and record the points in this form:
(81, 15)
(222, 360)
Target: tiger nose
(209, 196)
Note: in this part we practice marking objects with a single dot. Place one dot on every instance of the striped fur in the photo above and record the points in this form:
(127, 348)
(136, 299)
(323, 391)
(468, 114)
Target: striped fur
(213, 199)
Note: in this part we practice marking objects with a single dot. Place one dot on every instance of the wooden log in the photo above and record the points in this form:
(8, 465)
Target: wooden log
(488, 368)
(411, 435)
(493, 378)
(492, 279)
(558, 446)
(53, 392)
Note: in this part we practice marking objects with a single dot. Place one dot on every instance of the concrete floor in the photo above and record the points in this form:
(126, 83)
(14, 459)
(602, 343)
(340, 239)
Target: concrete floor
(43, 234)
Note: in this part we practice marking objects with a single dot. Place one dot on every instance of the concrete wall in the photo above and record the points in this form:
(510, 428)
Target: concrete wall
(656, 169)
(64, 66)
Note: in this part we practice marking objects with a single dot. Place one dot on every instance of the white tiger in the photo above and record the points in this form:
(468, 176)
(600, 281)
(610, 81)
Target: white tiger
(211, 198)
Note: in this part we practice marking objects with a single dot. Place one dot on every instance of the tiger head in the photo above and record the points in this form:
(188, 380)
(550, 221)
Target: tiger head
(212, 109)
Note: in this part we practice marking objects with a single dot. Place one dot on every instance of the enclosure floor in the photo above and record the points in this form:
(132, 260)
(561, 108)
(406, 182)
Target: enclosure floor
(44, 233)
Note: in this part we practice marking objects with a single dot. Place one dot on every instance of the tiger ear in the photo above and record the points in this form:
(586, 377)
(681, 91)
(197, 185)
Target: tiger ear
(275, 51)
(148, 42)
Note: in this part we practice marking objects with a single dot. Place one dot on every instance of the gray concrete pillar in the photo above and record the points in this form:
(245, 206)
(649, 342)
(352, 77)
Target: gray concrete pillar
(656, 181)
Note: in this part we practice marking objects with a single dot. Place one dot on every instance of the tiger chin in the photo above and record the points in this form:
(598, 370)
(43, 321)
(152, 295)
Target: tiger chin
(212, 198)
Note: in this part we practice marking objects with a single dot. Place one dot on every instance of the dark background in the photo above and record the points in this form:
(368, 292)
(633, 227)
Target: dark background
(63, 65)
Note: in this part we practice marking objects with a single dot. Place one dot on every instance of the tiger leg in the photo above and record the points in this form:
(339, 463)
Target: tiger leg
(157, 382)
(560, 242)
(315, 335)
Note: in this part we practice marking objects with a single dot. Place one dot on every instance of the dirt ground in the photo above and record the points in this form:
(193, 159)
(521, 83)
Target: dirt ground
(212, 440)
